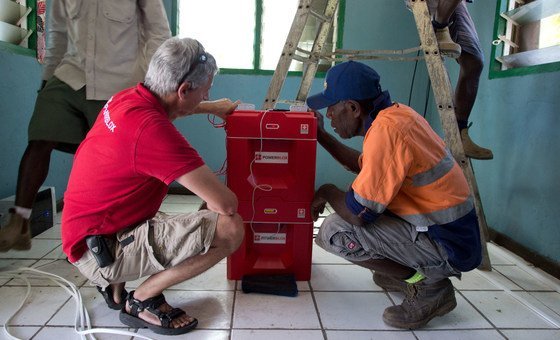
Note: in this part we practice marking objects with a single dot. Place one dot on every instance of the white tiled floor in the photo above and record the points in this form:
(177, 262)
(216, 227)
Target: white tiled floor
(513, 301)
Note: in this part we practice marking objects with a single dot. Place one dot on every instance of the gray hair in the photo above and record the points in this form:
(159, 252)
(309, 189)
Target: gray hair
(177, 61)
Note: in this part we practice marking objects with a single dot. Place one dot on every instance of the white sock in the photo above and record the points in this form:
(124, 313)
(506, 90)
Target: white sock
(23, 212)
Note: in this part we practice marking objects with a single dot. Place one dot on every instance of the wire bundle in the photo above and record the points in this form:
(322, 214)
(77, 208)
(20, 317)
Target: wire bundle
(82, 324)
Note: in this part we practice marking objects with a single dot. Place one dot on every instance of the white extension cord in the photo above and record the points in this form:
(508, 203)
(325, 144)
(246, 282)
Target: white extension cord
(82, 324)
(263, 187)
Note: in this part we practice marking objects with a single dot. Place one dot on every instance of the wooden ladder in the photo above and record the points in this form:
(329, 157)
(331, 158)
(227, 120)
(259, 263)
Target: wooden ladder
(441, 85)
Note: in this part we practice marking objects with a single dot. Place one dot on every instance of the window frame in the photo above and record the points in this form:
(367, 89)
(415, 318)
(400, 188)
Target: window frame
(31, 50)
(257, 37)
(495, 67)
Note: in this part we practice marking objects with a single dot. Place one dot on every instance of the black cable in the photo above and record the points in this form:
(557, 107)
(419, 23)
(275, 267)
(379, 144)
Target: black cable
(427, 96)
(413, 77)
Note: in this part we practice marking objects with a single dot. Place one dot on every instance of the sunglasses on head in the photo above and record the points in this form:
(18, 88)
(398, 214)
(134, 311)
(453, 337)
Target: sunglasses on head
(201, 59)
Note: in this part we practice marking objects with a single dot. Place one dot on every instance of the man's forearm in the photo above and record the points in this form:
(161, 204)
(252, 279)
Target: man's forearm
(337, 199)
(220, 107)
(345, 155)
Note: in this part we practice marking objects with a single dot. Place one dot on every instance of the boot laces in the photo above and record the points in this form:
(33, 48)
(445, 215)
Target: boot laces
(411, 294)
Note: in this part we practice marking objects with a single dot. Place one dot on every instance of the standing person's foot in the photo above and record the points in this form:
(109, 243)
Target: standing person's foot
(16, 234)
(471, 149)
(447, 46)
(422, 303)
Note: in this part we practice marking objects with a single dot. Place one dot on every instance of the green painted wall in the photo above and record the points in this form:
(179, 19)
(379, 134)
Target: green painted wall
(516, 117)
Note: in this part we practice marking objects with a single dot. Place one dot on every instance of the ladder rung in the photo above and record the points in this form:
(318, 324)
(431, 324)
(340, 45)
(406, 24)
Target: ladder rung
(370, 57)
(358, 52)
(303, 59)
(291, 102)
(301, 50)
(319, 16)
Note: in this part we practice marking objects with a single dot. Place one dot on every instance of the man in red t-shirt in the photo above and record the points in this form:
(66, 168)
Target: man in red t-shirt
(111, 229)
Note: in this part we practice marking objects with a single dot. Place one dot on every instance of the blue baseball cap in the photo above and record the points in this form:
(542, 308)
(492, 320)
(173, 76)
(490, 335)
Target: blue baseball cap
(350, 80)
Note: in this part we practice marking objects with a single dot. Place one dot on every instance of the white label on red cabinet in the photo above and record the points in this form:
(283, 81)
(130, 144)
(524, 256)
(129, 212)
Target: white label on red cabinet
(271, 238)
(271, 157)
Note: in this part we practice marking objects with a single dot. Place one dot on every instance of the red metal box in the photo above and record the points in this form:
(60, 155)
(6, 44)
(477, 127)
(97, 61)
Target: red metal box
(273, 249)
(271, 159)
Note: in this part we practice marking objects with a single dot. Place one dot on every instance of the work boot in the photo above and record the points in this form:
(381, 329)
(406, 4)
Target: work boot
(422, 303)
(471, 149)
(16, 234)
(447, 47)
(389, 283)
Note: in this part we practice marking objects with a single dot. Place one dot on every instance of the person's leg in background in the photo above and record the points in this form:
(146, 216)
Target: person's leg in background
(441, 12)
(471, 63)
(33, 170)
(61, 119)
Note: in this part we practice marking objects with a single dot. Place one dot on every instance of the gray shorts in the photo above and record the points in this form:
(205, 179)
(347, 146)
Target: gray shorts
(387, 238)
(461, 29)
(463, 32)
(63, 115)
(153, 246)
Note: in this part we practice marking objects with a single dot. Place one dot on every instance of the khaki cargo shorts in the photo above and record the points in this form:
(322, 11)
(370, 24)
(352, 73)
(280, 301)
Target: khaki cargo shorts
(153, 246)
(63, 115)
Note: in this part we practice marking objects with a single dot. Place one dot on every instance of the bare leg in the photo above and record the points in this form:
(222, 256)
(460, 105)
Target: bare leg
(467, 84)
(228, 237)
(388, 267)
(465, 96)
(117, 289)
(33, 170)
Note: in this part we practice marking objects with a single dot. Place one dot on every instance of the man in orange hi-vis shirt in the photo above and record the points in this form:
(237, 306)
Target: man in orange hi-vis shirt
(408, 215)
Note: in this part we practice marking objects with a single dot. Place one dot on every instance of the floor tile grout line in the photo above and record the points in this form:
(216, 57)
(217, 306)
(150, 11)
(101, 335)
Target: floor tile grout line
(486, 276)
(485, 317)
(523, 301)
(233, 309)
(529, 270)
(551, 287)
(555, 313)
(316, 305)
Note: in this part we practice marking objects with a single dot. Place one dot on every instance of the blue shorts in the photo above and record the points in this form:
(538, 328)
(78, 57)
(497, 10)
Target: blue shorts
(463, 32)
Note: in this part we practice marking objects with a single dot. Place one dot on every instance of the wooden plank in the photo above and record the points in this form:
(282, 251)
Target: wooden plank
(443, 93)
(317, 49)
(288, 51)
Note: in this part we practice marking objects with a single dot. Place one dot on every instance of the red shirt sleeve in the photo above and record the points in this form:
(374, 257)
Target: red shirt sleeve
(163, 152)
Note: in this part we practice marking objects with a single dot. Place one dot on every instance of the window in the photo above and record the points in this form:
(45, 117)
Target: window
(17, 26)
(246, 36)
(527, 37)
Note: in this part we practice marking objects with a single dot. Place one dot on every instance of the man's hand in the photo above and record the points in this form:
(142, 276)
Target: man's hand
(322, 134)
(221, 107)
(317, 207)
(320, 200)
(320, 121)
